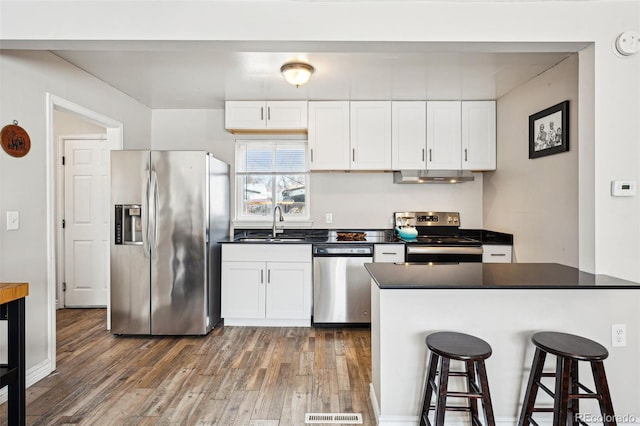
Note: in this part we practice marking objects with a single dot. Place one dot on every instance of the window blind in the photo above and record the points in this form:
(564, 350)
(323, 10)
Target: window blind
(258, 157)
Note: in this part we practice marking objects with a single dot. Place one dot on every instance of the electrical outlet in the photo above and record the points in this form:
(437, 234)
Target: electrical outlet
(328, 218)
(618, 335)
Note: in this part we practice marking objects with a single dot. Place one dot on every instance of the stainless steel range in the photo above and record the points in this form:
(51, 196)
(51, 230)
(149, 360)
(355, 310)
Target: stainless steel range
(438, 238)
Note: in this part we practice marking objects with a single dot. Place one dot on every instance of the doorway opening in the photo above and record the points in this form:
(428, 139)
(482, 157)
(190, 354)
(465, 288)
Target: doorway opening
(111, 133)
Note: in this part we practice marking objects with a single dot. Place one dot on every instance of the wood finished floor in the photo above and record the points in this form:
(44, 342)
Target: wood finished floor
(234, 376)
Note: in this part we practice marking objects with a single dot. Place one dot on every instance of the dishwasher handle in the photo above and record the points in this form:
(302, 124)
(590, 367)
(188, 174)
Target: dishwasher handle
(343, 250)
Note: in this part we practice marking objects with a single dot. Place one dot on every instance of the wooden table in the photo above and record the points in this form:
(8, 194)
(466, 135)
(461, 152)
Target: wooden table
(12, 374)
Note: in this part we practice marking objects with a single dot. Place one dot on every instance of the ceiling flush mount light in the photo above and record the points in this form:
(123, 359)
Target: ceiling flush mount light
(297, 73)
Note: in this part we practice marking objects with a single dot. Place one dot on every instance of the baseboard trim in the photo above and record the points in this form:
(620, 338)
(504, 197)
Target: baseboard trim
(253, 322)
(386, 420)
(374, 402)
(32, 376)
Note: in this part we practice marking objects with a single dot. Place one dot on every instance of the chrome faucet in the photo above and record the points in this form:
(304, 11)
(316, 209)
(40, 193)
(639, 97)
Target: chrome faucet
(281, 219)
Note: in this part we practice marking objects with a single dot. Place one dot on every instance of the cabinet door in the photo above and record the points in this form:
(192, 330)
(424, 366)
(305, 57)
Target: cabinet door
(479, 135)
(443, 135)
(288, 290)
(287, 115)
(409, 135)
(371, 135)
(329, 135)
(245, 115)
(243, 289)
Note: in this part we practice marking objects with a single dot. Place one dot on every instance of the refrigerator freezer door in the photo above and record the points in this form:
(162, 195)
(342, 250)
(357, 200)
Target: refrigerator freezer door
(130, 263)
(179, 292)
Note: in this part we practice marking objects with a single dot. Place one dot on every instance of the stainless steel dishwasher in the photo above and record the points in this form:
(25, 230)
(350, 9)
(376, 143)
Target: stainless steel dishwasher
(341, 284)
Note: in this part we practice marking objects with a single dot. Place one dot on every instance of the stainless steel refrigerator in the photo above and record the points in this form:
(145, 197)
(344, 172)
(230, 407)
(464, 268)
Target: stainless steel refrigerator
(169, 209)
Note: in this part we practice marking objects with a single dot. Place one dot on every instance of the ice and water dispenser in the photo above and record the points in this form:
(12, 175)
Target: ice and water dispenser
(128, 219)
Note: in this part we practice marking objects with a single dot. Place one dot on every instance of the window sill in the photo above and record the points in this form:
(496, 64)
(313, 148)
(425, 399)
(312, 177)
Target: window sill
(268, 223)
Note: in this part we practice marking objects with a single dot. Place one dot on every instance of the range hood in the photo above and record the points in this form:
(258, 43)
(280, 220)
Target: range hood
(432, 176)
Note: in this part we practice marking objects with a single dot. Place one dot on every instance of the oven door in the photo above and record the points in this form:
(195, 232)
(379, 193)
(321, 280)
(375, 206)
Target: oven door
(455, 254)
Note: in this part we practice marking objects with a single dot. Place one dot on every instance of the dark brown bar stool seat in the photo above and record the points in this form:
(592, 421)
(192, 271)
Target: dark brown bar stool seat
(447, 346)
(568, 349)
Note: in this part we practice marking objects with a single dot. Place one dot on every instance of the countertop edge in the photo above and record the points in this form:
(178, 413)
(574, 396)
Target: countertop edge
(13, 291)
(491, 276)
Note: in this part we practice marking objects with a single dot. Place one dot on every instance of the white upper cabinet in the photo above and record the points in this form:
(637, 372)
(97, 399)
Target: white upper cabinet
(329, 135)
(444, 135)
(479, 135)
(261, 115)
(408, 135)
(371, 135)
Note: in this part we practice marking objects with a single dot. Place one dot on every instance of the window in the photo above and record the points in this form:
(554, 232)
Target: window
(269, 172)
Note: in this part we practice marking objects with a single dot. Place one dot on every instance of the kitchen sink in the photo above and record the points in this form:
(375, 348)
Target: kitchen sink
(270, 240)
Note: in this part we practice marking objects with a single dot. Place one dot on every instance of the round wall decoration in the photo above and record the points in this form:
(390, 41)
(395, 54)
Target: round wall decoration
(15, 140)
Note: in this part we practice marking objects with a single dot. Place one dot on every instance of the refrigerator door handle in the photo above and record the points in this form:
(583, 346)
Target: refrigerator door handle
(154, 216)
(145, 217)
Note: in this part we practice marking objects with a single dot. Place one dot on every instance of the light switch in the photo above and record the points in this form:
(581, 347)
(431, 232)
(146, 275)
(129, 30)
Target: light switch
(13, 220)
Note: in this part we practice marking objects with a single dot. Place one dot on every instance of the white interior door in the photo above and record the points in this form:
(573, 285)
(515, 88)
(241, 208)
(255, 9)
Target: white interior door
(86, 189)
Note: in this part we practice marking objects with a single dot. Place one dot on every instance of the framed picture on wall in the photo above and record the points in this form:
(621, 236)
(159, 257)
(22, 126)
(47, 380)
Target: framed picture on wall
(549, 131)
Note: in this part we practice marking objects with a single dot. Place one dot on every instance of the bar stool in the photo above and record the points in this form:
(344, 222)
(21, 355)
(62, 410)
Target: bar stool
(568, 349)
(444, 347)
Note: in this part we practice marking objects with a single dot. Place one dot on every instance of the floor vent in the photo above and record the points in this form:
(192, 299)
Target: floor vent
(334, 418)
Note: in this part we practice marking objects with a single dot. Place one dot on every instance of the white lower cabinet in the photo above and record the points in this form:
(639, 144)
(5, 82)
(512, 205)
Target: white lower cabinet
(388, 253)
(496, 254)
(266, 285)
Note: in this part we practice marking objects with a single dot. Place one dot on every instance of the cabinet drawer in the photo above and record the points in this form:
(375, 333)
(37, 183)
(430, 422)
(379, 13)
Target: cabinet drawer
(276, 252)
(389, 253)
(496, 254)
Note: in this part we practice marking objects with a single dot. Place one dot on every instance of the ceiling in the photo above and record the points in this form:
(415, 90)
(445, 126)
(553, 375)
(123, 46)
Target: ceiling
(202, 75)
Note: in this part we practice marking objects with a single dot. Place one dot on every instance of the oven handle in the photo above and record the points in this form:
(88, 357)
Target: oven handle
(411, 249)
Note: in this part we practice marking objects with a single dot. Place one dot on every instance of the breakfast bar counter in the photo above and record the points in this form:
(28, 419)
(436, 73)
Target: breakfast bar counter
(490, 276)
(504, 304)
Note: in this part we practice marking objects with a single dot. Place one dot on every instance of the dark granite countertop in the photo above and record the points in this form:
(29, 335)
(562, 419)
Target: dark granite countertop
(488, 237)
(375, 236)
(312, 236)
(490, 276)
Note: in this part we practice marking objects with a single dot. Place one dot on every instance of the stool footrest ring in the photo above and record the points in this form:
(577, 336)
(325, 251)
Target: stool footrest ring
(542, 410)
(453, 408)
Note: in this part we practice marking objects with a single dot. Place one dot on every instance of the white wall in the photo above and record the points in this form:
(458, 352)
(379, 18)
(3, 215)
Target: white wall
(536, 199)
(26, 78)
(356, 200)
(71, 124)
(192, 129)
(368, 200)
